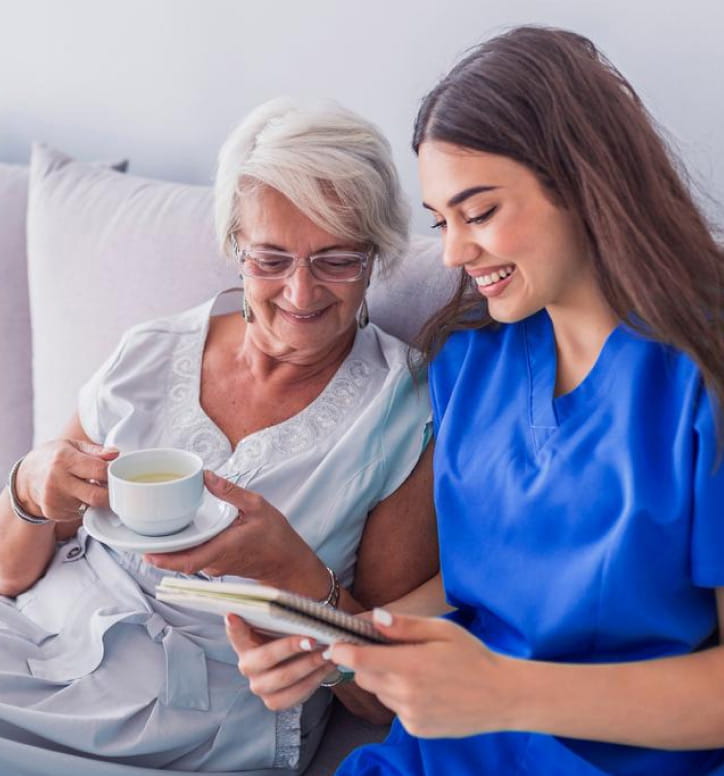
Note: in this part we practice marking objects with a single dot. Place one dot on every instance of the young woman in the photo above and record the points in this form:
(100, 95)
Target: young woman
(577, 387)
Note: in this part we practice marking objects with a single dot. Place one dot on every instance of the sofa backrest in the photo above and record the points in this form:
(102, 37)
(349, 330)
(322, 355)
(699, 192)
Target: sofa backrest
(107, 250)
(16, 391)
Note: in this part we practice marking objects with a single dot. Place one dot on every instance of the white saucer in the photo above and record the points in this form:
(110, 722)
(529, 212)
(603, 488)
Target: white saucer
(211, 518)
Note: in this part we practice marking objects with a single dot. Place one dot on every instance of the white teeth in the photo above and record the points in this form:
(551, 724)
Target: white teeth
(494, 277)
(299, 315)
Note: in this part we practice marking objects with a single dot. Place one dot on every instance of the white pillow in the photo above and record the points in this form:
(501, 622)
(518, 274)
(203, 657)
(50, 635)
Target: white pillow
(106, 251)
(16, 392)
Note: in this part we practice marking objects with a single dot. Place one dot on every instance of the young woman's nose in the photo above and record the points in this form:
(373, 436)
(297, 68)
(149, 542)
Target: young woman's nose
(458, 248)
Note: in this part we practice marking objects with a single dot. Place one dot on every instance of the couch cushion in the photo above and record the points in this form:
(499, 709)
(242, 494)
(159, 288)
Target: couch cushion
(418, 287)
(107, 250)
(16, 396)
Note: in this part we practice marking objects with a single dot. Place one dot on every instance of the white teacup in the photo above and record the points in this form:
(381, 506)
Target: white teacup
(157, 491)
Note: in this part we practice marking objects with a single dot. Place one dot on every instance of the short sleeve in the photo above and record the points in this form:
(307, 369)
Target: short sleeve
(91, 410)
(407, 431)
(707, 547)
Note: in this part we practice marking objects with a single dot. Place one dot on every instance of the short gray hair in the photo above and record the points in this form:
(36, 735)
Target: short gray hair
(333, 165)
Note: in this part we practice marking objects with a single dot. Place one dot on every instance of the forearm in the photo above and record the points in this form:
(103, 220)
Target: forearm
(427, 600)
(667, 703)
(25, 550)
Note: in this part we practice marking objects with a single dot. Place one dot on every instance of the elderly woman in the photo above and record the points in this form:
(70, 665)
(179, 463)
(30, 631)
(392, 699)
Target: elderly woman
(315, 430)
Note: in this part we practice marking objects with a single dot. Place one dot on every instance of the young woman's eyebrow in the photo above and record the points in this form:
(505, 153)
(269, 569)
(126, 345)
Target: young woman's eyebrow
(461, 196)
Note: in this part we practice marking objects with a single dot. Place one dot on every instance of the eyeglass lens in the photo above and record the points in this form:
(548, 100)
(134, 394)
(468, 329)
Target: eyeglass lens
(328, 266)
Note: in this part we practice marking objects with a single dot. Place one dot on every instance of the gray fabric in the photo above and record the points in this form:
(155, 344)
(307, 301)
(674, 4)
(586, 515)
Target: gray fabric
(401, 303)
(16, 393)
(344, 733)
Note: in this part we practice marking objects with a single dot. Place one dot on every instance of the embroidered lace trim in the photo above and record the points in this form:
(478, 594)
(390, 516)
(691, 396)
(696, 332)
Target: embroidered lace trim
(186, 425)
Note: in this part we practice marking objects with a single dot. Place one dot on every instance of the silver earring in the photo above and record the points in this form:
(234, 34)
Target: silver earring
(363, 318)
(246, 310)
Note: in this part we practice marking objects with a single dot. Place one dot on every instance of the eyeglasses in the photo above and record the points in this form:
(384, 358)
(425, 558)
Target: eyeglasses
(328, 266)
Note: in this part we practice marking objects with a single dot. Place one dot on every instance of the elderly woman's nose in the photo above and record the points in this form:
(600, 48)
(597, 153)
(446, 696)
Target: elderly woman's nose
(301, 285)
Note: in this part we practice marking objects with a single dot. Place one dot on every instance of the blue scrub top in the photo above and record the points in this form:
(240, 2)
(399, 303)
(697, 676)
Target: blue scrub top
(583, 528)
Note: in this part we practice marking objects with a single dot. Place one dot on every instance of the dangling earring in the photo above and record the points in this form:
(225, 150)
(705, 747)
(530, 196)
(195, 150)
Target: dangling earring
(246, 310)
(363, 318)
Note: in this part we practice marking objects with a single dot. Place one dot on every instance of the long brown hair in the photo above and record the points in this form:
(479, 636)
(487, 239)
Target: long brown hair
(550, 100)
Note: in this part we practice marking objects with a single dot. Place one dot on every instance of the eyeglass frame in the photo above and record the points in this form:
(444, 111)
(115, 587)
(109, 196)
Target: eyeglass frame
(364, 256)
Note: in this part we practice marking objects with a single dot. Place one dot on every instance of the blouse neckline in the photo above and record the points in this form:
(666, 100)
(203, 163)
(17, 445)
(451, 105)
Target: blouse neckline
(342, 395)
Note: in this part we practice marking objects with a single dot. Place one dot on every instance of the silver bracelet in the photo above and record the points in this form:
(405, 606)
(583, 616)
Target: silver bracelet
(337, 677)
(15, 502)
(332, 598)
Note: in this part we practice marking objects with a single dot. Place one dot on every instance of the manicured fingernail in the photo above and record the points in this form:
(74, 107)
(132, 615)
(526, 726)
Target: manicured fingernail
(382, 616)
(327, 654)
(228, 621)
(306, 645)
(211, 477)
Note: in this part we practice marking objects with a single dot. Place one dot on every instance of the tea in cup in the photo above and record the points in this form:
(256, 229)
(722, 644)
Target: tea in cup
(156, 492)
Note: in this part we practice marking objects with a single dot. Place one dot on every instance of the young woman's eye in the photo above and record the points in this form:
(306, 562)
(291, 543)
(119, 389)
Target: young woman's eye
(438, 225)
(483, 217)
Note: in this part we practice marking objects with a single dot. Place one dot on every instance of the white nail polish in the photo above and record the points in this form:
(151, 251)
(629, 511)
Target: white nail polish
(382, 616)
(306, 645)
(327, 654)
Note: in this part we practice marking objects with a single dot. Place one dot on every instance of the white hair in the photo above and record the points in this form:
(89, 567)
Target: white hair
(333, 165)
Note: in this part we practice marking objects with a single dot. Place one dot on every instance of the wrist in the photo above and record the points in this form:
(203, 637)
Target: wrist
(524, 694)
(22, 493)
(23, 507)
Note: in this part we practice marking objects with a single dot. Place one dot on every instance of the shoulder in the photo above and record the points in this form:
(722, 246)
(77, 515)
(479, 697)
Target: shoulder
(151, 342)
(162, 333)
(665, 369)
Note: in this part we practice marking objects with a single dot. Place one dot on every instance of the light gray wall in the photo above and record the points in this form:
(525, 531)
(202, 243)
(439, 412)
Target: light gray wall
(163, 81)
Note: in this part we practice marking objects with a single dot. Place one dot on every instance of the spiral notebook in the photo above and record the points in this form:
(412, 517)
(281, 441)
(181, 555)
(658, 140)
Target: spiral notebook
(272, 611)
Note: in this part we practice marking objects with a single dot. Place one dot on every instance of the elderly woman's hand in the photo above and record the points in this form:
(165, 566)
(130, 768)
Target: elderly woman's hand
(260, 544)
(282, 671)
(58, 478)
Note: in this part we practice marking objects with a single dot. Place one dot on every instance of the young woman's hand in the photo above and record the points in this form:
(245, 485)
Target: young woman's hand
(438, 679)
(282, 671)
(259, 544)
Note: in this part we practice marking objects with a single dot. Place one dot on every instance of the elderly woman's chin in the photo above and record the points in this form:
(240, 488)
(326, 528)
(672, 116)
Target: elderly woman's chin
(321, 328)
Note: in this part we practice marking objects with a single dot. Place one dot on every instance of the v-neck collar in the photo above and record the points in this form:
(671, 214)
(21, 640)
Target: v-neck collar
(546, 411)
(341, 397)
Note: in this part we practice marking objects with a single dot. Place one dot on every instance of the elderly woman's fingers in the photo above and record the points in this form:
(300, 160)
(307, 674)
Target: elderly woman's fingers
(58, 477)
(215, 556)
(226, 490)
